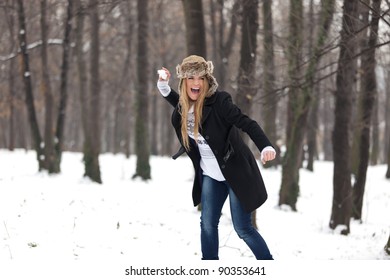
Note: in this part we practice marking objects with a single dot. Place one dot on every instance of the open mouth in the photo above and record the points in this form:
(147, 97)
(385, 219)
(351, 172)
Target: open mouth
(195, 90)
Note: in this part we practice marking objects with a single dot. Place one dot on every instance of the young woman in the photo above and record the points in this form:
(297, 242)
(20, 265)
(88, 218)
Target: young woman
(208, 125)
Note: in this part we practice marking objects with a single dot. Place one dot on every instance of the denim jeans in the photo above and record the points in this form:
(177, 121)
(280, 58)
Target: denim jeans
(214, 194)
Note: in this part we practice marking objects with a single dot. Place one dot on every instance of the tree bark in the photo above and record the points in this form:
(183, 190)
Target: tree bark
(313, 112)
(247, 87)
(12, 94)
(289, 189)
(82, 72)
(50, 162)
(312, 151)
(166, 134)
(342, 191)
(195, 29)
(357, 125)
(91, 154)
(122, 124)
(10, 18)
(89, 98)
(270, 98)
(26, 76)
(141, 122)
(60, 125)
(222, 47)
(375, 135)
(369, 87)
(327, 141)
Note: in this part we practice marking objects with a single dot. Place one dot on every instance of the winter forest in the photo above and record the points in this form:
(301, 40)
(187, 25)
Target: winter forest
(80, 76)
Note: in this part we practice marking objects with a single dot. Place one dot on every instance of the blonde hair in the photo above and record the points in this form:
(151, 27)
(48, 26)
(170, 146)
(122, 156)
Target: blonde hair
(185, 105)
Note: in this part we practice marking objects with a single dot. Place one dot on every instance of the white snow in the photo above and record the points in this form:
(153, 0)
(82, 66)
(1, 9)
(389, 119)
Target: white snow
(69, 219)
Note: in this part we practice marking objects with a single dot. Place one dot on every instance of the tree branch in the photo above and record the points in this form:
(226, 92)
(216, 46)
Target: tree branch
(53, 42)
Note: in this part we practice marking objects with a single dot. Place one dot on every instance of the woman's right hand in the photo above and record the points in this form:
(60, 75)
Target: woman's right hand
(168, 74)
(163, 82)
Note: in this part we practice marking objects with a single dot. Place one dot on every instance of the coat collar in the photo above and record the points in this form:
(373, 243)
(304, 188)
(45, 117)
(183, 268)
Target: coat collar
(208, 102)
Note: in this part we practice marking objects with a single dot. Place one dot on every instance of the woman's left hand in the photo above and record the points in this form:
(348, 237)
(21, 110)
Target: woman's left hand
(267, 154)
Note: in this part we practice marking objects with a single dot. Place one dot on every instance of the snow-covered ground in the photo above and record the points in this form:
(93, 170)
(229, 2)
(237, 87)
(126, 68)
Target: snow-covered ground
(68, 218)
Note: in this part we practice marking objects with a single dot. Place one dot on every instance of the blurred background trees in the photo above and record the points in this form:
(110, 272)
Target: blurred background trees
(81, 76)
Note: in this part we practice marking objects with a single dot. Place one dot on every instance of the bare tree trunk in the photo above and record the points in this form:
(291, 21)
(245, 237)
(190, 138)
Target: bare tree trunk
(313, 112)
(154, 120)
(327, 141)
(166, 135)
(89, 99)
(82, 71)
(247, 87)
(357, 111)
(195, 29)
(155, 100)
(122, 124)
(26, 76)
(60, 126)
(369, 88)
(50, 156)
(12, 93)
(142, 111)
(10, 18)
(375, 146)
(222, 47)
(270, 98)
(91, 154)
(312, 152)
(213, 26)
(342, 191)
(289, 189)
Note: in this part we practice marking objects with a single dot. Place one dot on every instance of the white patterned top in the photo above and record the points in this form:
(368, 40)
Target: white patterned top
(208, 162)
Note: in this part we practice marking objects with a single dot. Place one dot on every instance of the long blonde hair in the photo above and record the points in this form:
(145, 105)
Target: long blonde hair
(185, 105)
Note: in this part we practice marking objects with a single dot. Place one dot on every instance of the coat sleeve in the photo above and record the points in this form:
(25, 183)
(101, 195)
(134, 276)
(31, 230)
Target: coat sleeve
(173, 98)
(233, 115)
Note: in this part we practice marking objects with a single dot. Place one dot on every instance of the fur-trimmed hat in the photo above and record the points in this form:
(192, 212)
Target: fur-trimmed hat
(197, 65)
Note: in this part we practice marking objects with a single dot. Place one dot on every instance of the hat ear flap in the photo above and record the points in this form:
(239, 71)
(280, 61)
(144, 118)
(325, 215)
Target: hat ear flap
(210, 67)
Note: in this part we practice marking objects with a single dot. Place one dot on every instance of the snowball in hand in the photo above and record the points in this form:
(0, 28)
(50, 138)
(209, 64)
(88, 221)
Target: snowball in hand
(162, 73)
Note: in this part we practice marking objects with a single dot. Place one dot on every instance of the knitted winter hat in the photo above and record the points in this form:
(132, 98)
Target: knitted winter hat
(197, 65)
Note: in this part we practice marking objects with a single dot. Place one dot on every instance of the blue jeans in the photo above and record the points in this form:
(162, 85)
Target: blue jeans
(214, 194)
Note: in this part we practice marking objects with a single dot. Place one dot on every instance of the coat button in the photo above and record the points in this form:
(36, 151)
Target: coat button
(206, 137)
(223, 166)
(215, 152)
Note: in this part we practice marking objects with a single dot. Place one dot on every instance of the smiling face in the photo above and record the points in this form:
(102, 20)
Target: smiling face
(195, 86)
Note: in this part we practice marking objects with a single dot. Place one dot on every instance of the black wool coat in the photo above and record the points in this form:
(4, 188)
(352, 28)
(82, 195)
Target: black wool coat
(221, 122)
